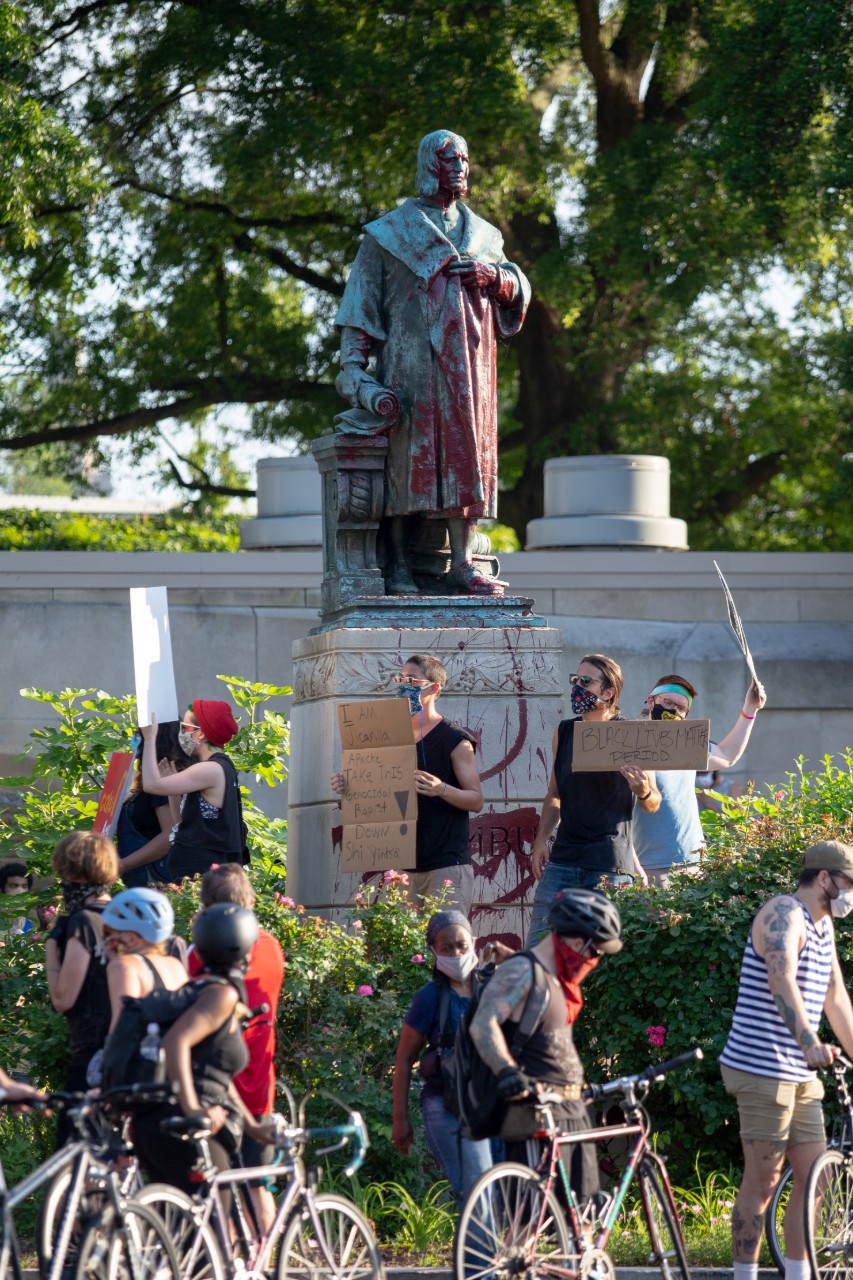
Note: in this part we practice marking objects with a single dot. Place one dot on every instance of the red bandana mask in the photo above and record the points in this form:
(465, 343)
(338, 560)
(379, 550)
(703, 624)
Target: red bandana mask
(571, 970)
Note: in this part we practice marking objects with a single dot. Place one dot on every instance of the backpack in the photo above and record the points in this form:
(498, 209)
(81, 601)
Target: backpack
(122, 1063)
(481, 1111)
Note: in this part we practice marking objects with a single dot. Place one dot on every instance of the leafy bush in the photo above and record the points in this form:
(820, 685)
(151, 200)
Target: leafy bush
(25, 530)
(674, 984)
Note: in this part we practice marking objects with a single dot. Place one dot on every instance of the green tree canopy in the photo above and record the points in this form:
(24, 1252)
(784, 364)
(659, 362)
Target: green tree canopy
(647, 162)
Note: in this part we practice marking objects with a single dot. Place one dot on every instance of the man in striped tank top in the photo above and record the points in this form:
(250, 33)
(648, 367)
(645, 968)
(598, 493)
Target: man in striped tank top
(790, 977)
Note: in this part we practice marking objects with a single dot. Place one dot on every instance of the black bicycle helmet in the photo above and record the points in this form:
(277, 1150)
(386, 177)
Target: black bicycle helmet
(587, 913)
(224, 934)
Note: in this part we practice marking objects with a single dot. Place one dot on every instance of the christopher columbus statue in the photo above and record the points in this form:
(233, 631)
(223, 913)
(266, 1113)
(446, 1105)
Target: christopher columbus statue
(428, 296)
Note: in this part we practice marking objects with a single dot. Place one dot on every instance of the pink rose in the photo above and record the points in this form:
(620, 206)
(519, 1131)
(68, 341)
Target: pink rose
(357, 924)
(365, 990)
(388, 877)
(656, 1036)
(418, 959)
(447, 883)
(214, 866)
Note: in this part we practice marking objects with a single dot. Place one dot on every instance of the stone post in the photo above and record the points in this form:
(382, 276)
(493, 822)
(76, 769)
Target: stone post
(352, 468)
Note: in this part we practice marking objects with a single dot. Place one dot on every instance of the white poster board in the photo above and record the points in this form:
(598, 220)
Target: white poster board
(152, 655)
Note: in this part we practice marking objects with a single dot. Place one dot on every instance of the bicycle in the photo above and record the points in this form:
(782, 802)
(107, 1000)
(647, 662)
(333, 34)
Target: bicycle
(840, 1139)
(514, 1224)
(313, 1234)
(828, 1200)
(96, 1230)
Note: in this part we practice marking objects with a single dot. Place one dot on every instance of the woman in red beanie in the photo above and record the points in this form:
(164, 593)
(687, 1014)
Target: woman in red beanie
(210, 827)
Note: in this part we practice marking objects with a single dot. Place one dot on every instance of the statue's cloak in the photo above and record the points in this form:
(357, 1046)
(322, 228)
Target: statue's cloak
(435, 346)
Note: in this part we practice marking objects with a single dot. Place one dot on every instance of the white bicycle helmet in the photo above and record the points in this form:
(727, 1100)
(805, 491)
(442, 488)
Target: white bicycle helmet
(145, 911)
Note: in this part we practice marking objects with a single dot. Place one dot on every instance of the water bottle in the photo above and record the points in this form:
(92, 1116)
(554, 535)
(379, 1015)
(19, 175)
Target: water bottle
(151, 1050)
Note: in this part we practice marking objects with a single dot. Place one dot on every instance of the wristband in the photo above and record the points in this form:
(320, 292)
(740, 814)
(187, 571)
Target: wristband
(745, 716)
(646, 795)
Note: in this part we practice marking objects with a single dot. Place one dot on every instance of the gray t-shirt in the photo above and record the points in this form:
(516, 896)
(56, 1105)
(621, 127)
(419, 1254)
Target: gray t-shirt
(673, 836)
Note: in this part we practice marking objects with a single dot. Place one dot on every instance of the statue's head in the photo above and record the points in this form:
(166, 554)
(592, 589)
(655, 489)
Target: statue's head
(442, 164)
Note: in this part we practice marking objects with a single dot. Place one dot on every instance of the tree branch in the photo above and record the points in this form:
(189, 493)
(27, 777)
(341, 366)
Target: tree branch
(290, 223)
(206, 485)
(248, 244)
(211, 392)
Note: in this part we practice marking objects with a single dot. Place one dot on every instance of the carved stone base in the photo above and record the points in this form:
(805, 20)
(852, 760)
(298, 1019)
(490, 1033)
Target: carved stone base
(433, 612)
(503, 684)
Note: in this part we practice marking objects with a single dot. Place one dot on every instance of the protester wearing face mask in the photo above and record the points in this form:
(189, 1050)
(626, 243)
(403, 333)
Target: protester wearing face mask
(210, 826)
(145, 821)
(670, 838)
(590, 812)
(584, 925)
(448, 788)
(87, 866)
(790, 977)
(431, 1024)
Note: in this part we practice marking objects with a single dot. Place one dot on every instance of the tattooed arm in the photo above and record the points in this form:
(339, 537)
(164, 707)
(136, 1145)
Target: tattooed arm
(779, 935)
(838, 1008)
(504, 996)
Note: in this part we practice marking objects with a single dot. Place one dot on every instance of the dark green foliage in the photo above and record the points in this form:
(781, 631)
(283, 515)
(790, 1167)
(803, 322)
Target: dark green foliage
(648, 163)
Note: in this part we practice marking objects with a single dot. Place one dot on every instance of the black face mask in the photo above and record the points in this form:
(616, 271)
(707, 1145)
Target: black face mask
(664, 713)
(74, 895)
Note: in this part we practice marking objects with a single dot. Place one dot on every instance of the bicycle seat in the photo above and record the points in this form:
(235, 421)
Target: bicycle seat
(189, 1126)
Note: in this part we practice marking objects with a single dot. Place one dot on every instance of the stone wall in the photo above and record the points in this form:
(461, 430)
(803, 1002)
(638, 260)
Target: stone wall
(65, 621)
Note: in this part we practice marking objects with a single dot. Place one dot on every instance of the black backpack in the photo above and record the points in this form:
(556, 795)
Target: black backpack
(122, 1063)
(481, 1111)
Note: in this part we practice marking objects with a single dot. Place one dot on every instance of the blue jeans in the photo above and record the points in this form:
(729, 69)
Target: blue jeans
(555, 878)
(460, 1160)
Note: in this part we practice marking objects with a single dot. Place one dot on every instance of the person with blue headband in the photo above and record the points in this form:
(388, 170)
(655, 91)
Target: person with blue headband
(671, 838)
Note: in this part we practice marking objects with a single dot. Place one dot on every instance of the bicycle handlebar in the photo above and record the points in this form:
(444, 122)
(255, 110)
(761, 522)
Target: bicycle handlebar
(649, 1075)
(355, 1128)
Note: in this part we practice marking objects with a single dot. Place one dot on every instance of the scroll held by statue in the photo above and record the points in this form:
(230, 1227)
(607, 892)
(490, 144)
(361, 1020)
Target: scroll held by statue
(379, 805)
(603, 745)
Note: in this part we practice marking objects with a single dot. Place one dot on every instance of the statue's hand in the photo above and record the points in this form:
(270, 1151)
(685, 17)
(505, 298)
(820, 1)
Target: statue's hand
(473, 274)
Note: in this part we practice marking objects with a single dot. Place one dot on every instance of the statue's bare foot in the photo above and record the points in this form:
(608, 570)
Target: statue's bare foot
(468, 579)
(399, 582)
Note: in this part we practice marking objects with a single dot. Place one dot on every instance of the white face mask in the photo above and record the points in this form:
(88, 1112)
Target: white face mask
(457, 968)
(843, 904)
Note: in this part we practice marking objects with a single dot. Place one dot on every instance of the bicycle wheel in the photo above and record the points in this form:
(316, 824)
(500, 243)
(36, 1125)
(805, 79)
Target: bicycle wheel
(195, 1242)
(511, 1226)
(132, 1245)
(340, 1244)
(828, 1210)
(775, 1217)
(665, 1239)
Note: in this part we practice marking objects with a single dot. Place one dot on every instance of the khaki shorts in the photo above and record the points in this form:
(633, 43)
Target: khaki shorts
(430, 884)
(776, 1111)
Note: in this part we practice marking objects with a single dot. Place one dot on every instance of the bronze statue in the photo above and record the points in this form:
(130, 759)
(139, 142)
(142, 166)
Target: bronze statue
(428, 295)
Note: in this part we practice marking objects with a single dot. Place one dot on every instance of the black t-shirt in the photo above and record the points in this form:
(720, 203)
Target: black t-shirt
(89, 1016)
(595, 814)
(138, 822)
(442, 833)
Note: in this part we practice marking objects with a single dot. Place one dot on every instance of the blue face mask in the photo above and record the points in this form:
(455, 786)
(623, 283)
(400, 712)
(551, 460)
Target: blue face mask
(413, 693)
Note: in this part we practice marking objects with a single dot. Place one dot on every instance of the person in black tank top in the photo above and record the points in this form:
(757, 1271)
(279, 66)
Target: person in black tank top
(583, 925)
(211, 826)
(448, 788)
(590, 813)
(138, 926)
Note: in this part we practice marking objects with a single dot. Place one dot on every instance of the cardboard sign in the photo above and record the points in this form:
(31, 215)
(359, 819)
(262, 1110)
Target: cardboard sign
(380, 805)
(736, 624)
(115, 788)
(152, 655)
(605, 745)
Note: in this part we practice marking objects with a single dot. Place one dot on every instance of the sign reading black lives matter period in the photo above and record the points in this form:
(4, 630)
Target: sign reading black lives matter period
(380, 804)
(602, 745)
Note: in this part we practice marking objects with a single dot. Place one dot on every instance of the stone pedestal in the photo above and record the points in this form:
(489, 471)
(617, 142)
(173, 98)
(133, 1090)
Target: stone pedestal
(607, 501)
(503, 684)
(288, 507)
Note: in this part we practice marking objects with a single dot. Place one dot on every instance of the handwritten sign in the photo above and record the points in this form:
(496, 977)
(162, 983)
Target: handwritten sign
(152, 655)
(604, 745)
(379, 805)
(113, 792)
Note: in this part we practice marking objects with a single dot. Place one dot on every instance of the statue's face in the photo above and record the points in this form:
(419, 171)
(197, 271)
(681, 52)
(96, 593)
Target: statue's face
(453, 171)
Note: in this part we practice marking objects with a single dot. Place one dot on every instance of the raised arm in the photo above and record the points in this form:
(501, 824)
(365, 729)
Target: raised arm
(733, 745)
